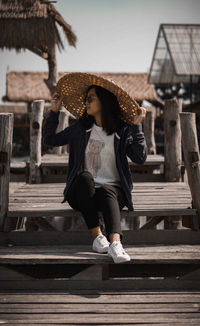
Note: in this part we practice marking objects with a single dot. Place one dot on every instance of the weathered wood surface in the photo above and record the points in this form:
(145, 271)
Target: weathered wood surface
(191, 156)
(6, 134)
(102, 308)
(83, 237)
(172, 134)
(36, 117)
(63, 123)
(80, 254)
(149, 129)
(92, 318)
(150, 199)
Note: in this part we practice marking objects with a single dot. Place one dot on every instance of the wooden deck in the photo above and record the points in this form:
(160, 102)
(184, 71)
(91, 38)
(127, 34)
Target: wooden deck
(101, 308)
(150, 199)
(57, 261)
(54, 278)
(160, 259)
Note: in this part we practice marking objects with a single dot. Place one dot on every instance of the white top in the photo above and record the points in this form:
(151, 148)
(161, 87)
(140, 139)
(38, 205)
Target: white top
(100, 158)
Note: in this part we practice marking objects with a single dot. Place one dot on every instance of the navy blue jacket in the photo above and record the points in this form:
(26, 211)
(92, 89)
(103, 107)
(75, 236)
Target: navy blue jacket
(128, 141)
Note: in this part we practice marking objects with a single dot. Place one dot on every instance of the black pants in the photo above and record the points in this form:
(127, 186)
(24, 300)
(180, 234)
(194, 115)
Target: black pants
(109, 200)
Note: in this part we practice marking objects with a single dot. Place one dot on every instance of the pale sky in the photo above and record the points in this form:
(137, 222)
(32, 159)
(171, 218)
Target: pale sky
(113, 35)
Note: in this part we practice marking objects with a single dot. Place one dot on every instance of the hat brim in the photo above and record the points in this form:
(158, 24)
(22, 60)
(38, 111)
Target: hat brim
(73, 88)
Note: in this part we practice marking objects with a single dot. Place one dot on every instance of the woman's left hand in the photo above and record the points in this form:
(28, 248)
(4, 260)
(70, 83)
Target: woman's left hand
(139, 118)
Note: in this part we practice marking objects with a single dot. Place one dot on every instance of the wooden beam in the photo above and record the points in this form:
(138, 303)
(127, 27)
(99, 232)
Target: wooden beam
(152, 221)
(191, 156)
(130, 237)
(149, 127)
(172, 133)
(36, 118)
(33, 224)
(63, 123)
(6, 135)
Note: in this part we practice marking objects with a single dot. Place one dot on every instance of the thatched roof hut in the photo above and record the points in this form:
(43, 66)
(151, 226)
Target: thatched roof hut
(31, 24)
(29, 86)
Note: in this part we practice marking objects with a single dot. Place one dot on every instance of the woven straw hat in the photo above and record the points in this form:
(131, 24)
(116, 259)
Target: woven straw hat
(73, 87)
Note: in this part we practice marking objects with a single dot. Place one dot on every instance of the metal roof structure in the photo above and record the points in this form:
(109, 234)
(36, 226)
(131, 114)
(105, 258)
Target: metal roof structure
(176, 55)
(175, 67)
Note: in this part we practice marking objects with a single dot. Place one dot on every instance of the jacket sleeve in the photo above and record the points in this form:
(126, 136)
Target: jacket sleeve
(136, 147)
(50, 137)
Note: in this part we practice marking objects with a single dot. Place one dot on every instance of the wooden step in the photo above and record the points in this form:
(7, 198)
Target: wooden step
(146, 308)
(150, 199)
(74, 254)
(78, 267)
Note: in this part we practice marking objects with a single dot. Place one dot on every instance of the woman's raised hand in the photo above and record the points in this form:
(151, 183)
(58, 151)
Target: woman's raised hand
(139, 118)
(56, 102)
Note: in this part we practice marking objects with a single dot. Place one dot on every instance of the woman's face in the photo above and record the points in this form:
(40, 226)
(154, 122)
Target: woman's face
(93, 104)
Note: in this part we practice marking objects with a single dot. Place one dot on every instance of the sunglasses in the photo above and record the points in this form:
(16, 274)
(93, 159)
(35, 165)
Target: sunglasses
(90, 98)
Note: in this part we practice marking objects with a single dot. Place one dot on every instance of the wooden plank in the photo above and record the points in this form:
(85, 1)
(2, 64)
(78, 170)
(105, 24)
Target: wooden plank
(137, 201)
(96, 296)
(36, 118)
(196, 323)
(143, 324)
(191, 155)
(172, 139)
(6, 135)
(84, 255)
(149, 128)
(55, 211)
(118, 284)
(20, 209)
(153, 221)
(137, 185)
(13, 308)
(130, 237)
(142, 186)
(105, 318)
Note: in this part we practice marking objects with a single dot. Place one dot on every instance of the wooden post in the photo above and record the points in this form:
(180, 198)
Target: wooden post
(35, 141)
(191, 156)
(63, 123)
(172, 133)
(6, 134)
(149, 126)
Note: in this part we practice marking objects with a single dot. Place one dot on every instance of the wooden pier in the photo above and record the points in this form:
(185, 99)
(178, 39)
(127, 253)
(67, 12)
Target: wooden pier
(159, 258)
(157, 199)
(53, 277)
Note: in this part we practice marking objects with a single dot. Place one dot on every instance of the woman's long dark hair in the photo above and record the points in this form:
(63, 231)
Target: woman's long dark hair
(110, 109)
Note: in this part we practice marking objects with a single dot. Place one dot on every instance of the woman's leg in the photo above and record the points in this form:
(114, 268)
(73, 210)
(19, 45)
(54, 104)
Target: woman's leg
(110, 200)
(81, 197)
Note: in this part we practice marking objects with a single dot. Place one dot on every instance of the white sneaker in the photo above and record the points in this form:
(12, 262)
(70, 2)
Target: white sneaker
(100, 244)
(117, 252)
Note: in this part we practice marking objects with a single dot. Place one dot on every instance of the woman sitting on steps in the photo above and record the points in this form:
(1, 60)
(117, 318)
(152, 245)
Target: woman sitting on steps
(108, 130)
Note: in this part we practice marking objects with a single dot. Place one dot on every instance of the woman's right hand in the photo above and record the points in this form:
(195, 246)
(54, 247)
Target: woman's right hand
(56, 102)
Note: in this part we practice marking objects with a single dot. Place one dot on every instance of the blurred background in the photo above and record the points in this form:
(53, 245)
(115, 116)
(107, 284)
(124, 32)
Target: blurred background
(144, 45)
